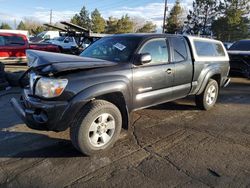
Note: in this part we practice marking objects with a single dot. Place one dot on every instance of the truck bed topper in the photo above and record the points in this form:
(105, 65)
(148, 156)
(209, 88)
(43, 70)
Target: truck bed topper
(206, 57)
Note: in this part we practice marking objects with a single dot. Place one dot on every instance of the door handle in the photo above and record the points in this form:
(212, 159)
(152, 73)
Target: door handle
(169, 71)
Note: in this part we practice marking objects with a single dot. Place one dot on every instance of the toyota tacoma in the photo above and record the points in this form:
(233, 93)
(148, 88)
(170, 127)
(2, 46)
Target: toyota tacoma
(93, 94)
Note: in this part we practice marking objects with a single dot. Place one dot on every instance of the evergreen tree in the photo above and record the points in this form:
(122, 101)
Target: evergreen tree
(201, 17)
(5, 26)
(111, 25)
(125, 25)
(149, 27)
(21, 26)
(82, 19)
(233, 24)
(175, 19)
(122, 25)
(75, 19)
(37, 30)
(98, 22)
(33, 26)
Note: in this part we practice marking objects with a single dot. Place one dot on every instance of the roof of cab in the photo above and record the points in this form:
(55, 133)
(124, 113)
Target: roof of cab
(12, 34)
(142, 35)
(155, 35)
(158, 35)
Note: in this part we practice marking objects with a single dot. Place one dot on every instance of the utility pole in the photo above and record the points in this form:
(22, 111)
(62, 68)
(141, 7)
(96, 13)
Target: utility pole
(14, 23)
(165, 15)
(51, 14)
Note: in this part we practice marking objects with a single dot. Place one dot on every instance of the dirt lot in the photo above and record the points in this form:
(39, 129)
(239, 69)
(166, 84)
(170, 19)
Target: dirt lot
(172, 145)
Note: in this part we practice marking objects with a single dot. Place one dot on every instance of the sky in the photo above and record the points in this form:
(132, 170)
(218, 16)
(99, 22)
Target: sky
(149, 10)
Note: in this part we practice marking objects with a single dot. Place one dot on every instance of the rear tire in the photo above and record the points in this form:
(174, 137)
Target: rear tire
(96, 128)
(207, 99)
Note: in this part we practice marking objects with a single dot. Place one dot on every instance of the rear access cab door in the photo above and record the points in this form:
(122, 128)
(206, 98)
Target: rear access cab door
(152, 82)
(183, 66)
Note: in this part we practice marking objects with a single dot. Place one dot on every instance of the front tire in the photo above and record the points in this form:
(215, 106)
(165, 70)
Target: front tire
(96, 128)
(207, 99)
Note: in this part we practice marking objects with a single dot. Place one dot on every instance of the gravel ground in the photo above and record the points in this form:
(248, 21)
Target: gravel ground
(171, 145)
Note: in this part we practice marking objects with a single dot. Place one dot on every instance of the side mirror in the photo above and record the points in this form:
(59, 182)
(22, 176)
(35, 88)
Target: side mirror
(144, 58)
(66, 41)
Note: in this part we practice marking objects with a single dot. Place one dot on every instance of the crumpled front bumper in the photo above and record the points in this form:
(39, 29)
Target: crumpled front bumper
(44, 115)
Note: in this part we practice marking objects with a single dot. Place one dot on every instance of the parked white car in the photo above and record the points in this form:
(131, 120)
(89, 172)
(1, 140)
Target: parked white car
(46, 35)
(65, 43)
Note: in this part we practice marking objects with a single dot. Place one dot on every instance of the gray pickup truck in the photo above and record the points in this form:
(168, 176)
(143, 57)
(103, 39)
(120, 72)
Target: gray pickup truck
(93, 94)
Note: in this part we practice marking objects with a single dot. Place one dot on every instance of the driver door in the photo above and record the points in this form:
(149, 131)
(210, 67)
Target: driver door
(153, 81)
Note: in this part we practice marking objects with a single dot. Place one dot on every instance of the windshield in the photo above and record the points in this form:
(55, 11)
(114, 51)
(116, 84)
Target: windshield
(41, 34)
(243, 45)
(117, 49)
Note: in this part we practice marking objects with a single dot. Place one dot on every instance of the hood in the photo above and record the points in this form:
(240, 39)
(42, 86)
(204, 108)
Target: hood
(48, 62)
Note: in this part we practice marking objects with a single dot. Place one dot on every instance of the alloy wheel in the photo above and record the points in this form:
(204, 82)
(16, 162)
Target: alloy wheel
(102, 130)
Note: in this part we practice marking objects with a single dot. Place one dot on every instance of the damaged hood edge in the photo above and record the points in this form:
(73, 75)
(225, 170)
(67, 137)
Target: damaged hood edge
(55, 68)
(47, 62)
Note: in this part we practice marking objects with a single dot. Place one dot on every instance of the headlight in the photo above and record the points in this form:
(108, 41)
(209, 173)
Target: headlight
(49, 88)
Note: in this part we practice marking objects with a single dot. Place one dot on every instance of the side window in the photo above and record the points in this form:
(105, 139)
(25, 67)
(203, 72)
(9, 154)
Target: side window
(209, 49)
(219, 50)
(157, 48)
(180, 50)
(47, 37)
(2, 41)
(14, 41)
(70, 39)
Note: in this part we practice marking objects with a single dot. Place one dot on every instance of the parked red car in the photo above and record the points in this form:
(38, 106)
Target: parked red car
(13, 47)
